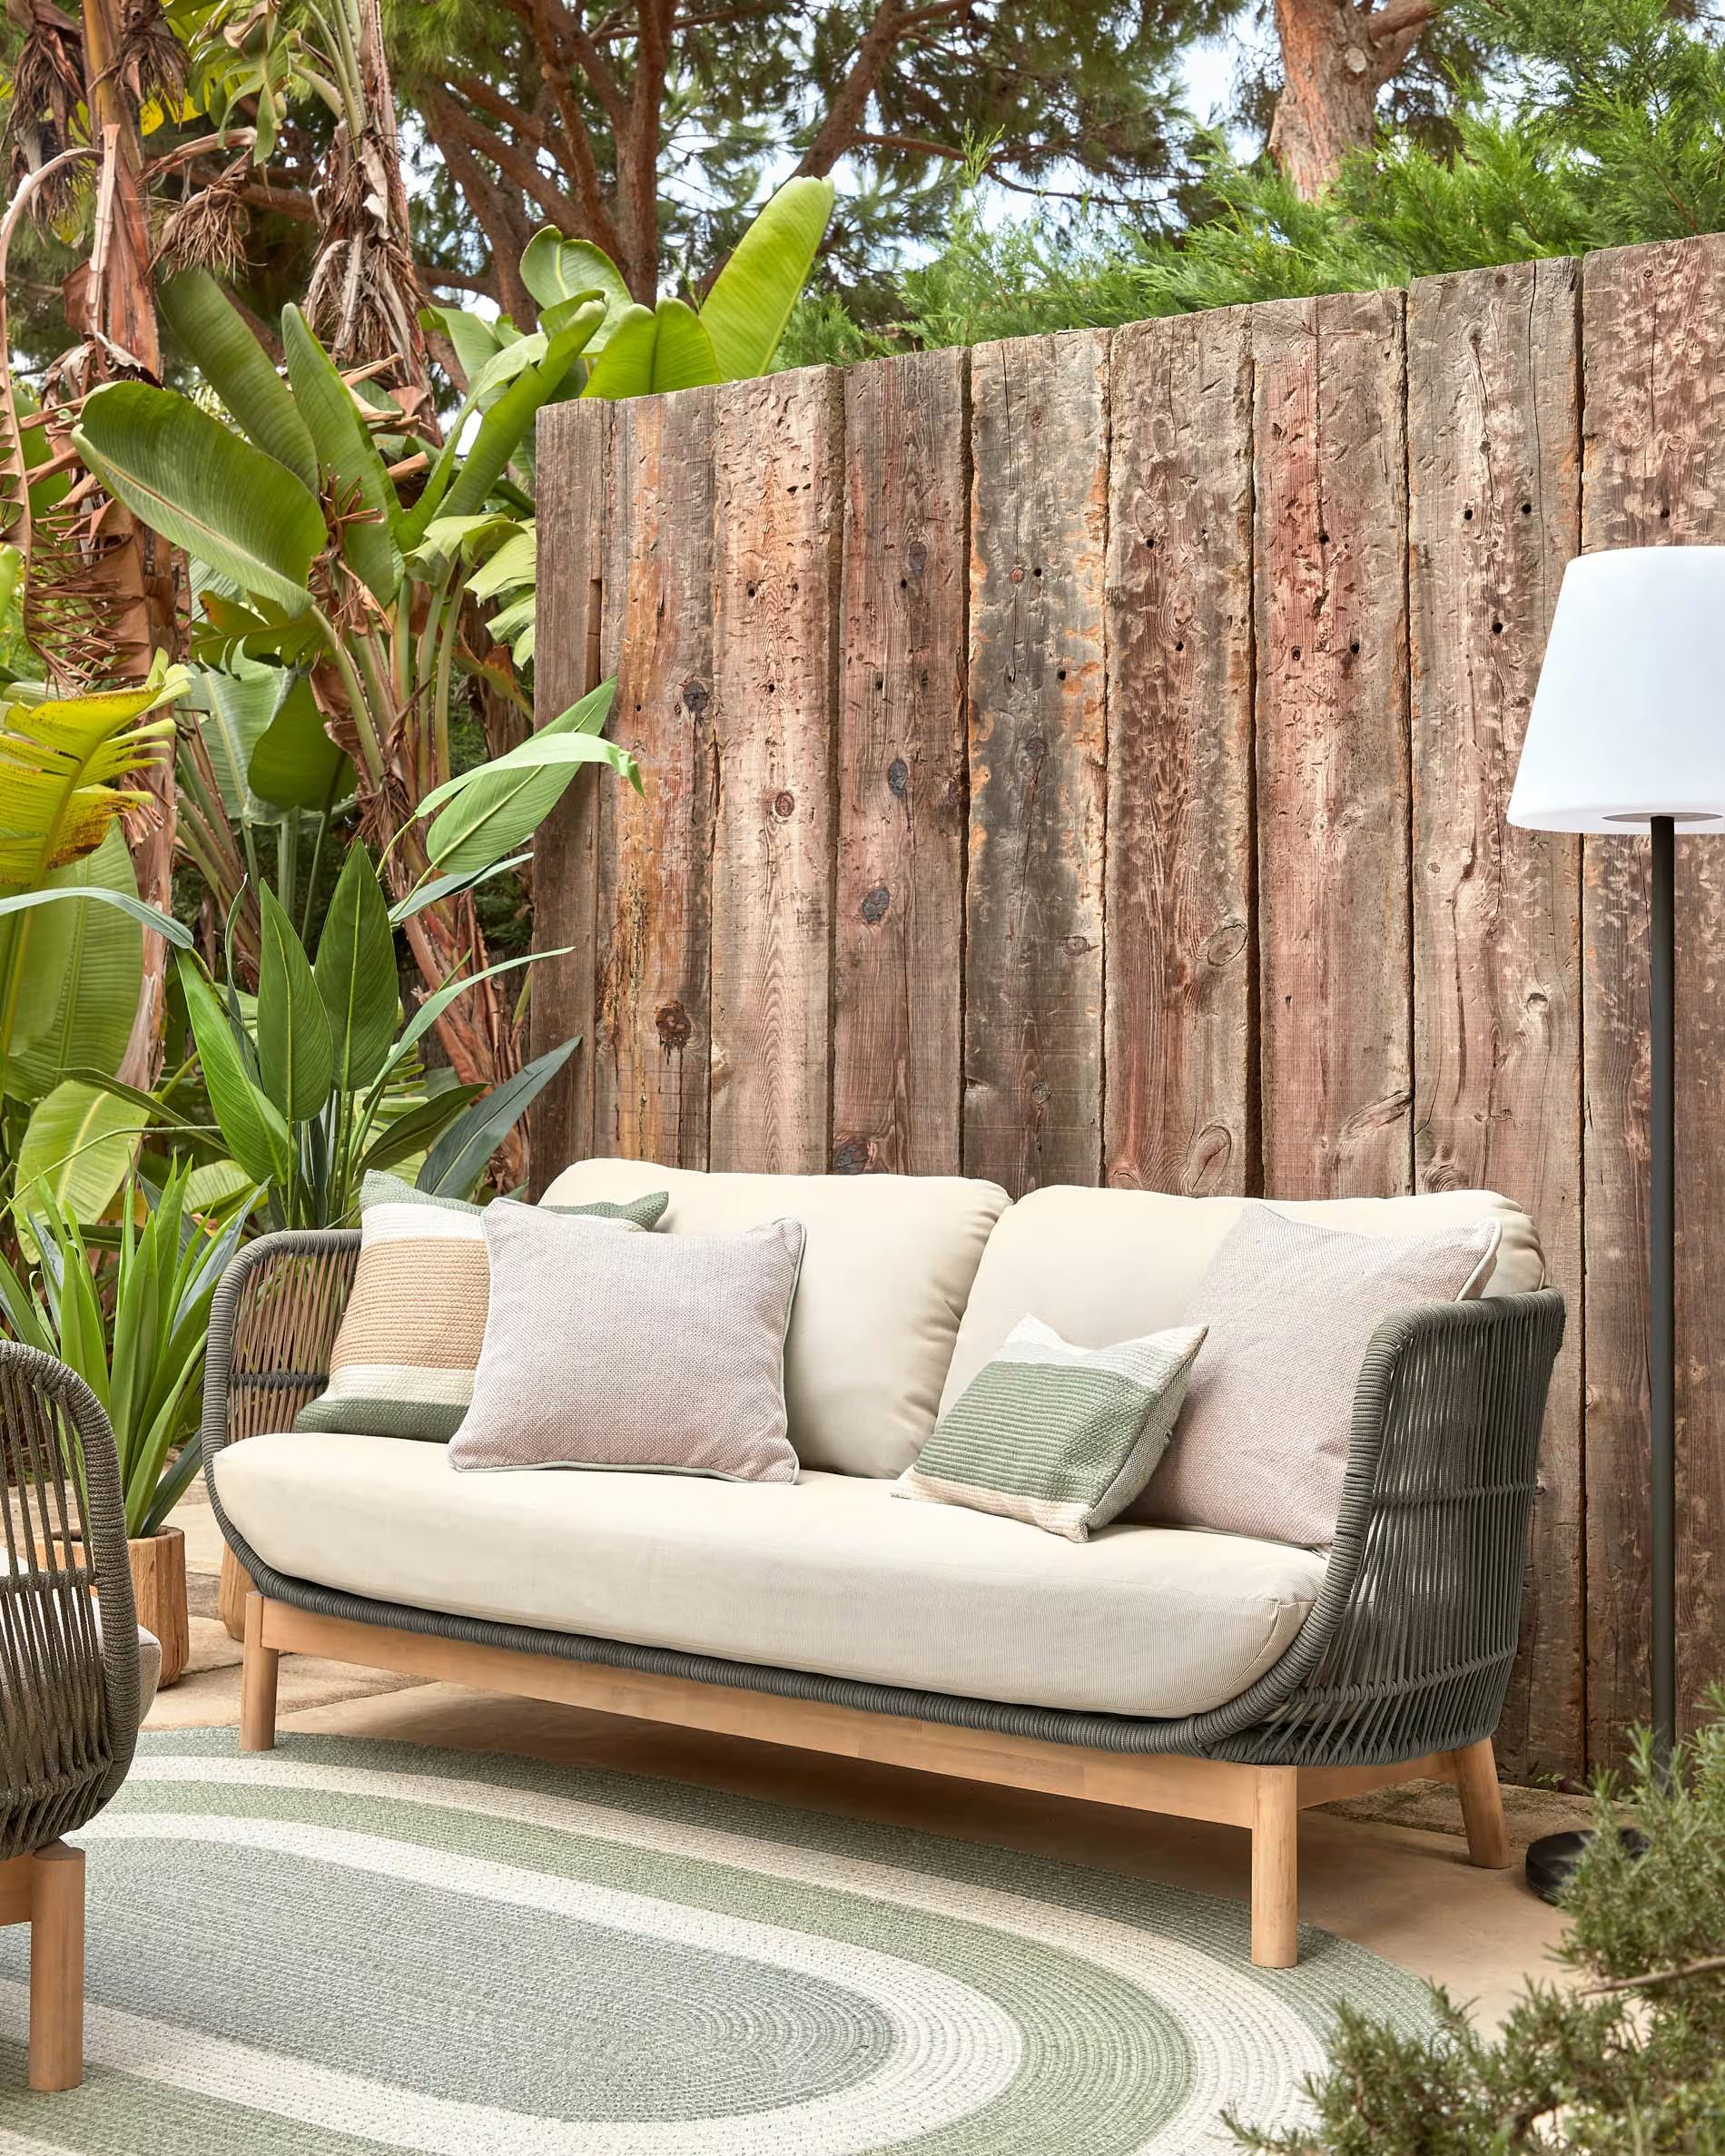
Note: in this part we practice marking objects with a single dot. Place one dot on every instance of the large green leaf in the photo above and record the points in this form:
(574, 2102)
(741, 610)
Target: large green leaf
(625, 367)
(238, 702)
(683, 355)
(746, 312)
(494, 810)
(204, 487)
(295, 764)
(238, 370)
(251, 1123)
(149, 917)
(78, 971)
(454, 1164)
(555, 269)
(80, 1141)
(366, 501)
(507, 424)
(473, 338)
(420, 1128)
(356, 973)
(294, 1058)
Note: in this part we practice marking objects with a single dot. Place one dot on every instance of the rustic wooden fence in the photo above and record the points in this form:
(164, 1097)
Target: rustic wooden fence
(1085, 758)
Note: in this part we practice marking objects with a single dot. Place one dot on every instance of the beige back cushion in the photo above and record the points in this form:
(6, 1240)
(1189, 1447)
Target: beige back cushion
(887, 1268)
(1103, 1265)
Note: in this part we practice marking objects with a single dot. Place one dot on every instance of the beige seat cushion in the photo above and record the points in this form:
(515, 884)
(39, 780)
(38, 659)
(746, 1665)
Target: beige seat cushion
(829, 1574)
(887, 1268)
(1103, 1265)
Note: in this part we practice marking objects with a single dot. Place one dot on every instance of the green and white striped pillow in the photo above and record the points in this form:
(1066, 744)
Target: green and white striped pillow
(404, 1358)
(1061, 1437)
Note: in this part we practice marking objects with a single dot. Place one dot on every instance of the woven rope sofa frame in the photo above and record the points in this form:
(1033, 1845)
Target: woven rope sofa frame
(68, 1685)
(1399, 1673)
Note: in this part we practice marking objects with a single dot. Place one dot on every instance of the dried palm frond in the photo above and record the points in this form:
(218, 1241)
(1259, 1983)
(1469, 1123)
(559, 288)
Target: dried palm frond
(150, 60)
(364, 298)
(208, 231)
(47, 92)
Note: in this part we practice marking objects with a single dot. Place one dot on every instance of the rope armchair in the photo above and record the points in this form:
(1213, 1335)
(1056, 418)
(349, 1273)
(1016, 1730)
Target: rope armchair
(69, 1678)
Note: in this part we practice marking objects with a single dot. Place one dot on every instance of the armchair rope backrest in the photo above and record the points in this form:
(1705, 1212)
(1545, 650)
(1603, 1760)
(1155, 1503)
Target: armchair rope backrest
(68, 1682)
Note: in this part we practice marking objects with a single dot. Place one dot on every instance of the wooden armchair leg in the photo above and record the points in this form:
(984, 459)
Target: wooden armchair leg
(257, 1683)
(1276, 1822)
(1482, 1806)
(56, 1967)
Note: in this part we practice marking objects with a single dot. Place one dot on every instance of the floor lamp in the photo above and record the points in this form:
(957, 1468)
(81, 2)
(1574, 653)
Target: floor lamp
(1627, 734)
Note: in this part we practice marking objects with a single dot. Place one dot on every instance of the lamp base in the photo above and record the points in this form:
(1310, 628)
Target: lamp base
(1552, 1861)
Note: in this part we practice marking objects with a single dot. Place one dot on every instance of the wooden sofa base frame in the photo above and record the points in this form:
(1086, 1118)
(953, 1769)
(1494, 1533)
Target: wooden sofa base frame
(45, 1889)
(1266, 1800)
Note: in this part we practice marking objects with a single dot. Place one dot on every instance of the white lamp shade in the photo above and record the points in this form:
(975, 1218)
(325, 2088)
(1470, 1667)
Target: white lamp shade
(1629, 719)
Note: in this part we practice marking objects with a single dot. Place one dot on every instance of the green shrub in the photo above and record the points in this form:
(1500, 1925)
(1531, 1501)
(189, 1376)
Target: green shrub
(1626, 2057)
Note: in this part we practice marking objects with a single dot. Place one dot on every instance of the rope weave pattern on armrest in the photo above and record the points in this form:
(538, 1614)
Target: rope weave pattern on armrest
(68, 1694)
(273, 1326)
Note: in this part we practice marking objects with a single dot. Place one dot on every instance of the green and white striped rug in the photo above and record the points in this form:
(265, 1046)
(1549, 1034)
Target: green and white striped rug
(341, 1948)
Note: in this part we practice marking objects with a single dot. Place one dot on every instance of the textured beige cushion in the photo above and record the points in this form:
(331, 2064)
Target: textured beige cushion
(887, 1267)
(828, 1574)
(1261, 1446)
(606, 1349)
(1103, 1266)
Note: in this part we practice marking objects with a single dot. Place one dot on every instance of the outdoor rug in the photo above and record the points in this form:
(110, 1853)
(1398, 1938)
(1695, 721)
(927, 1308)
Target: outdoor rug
(338, 1948)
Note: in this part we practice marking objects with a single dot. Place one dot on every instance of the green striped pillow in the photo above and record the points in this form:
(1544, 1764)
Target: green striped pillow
(1061, 1437)
(404, 1358)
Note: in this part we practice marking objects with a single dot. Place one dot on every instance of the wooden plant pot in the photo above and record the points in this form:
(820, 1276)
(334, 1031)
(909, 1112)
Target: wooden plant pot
(159, 1587)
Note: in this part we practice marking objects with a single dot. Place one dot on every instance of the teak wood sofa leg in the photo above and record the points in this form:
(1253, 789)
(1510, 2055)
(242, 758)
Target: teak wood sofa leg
(1482, 1806)
(1276, 1823)
(257, 1683)
(56, 1967)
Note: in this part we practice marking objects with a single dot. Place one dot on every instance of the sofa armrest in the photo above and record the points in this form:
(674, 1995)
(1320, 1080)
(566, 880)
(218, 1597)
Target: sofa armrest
(272, 1327)
(1409, 1647)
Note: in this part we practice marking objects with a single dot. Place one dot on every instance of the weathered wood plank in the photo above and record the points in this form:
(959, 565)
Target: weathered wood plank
(778, 523)
(574, 442)
(1654, 473)
(651, 1073)
(1038, 753)
(1332, 746)
(1180, 1112)
(1494, 513)
(899, 914)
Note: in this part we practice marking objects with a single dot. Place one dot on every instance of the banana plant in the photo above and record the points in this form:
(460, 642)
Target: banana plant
(303, 1080)
(70, 921)
(295, 509)
(633, 352)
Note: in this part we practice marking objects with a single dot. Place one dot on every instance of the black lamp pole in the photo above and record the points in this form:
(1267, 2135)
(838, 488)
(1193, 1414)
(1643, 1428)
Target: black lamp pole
(1662, 1269)
(1551, 1860)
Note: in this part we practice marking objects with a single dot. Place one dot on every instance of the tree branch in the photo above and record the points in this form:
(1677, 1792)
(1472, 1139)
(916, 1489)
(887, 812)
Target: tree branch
(566, 30)
(1707, 1966)
(491, 207)
(483, 141)
(1395, 17)
(589, 189)
(844, 115)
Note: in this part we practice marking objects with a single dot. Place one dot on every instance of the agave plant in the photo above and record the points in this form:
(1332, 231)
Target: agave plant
(71, 924)
(131, 1318)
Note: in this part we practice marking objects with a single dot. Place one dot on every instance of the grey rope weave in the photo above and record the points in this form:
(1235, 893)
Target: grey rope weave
(68, 1691)
(1408, 1647)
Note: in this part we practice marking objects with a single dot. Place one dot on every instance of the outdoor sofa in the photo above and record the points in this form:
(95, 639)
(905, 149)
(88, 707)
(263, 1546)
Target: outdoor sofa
(1171, 1669)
